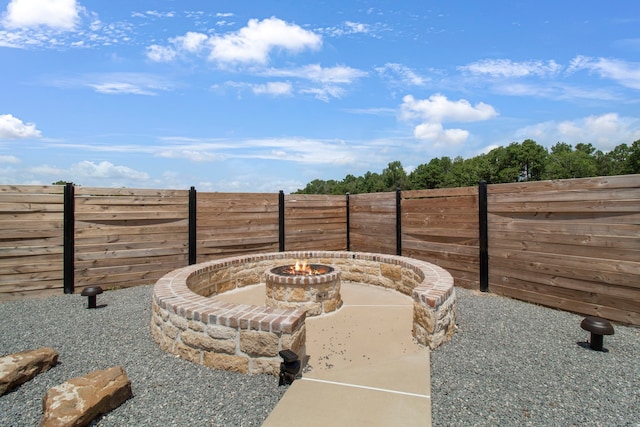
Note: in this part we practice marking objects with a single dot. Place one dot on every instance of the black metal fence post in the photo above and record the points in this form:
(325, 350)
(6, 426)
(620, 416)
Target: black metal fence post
(348, 224)
(193, 251)
(398, 222)
(484, 236)
(281, 220)
(69, 239)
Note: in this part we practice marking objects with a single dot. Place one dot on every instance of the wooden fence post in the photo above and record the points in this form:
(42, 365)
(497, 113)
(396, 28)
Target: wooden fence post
(193, 251)
(281, 221)
(484, 236)
(398, 222)
(69, 238)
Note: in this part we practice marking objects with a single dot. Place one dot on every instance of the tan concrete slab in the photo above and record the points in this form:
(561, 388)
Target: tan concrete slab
(308, 403)
(406, 374)
(359, 335)
(363, 368)
(253, 295)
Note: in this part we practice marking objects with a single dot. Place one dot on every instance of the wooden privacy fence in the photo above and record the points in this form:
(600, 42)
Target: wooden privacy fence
(570, 244)
(229, 224)
(126, 237)
(31, 241)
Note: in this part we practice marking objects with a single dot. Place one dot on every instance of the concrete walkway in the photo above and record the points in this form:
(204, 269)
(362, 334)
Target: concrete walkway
(364, 367)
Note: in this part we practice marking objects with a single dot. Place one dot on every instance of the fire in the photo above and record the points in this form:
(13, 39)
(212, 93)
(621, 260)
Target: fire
(301, 268)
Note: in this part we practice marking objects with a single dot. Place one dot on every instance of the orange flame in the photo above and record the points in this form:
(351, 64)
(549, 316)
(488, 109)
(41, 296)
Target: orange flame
(302, 267)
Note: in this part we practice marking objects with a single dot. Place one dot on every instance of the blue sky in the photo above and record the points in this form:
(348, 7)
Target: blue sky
(266, 95)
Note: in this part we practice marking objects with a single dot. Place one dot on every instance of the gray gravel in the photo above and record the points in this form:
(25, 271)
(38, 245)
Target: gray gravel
(510, 364)
(168, 391)
(516, 364)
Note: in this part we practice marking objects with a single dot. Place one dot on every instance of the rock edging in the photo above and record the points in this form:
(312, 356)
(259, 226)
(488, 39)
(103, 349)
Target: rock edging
(247, 339)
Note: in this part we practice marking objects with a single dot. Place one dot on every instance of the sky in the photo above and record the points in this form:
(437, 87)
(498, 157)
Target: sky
(263, 95)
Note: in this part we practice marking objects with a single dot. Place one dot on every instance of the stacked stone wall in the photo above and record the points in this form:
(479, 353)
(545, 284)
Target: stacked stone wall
(245, 338)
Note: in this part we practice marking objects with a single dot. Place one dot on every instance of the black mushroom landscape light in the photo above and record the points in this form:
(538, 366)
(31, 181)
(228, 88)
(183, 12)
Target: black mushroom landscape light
(91, 292)
(598, 327)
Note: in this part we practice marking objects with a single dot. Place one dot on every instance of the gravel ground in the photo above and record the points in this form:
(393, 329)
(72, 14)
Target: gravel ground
(517, 364)
(168, 391)
(510, 364)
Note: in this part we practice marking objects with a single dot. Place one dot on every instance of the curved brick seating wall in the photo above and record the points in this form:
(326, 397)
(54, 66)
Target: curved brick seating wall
(247, 339)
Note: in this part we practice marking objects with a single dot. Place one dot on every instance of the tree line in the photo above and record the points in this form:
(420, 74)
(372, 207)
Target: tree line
(526, 161)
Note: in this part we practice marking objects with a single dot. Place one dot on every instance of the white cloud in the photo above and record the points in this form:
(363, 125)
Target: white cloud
(192, 155)
(508, 68)
(120, 88)
(356, 27)
(258, 39)
(605, 131)
(86, 173)
(325, 93)
(191, 42)
(57, 14)
(269, 88)
(105, 170)
(13, 128)
(400, 74)
(335, 75)
(438, 109)
(338, 74)
(299, 150)
(347, 28)
(251, 44)
(9, 159)
(159, 53)
(329, 79)
(625, 73)
(121, 83)
(156, 14)
(273, 88)
(435, 133)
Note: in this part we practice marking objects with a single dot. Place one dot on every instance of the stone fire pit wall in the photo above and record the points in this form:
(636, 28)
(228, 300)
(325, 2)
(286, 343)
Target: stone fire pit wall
(245, 338)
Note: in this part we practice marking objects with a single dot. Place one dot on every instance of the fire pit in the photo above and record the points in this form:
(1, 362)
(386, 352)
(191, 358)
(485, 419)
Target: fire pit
(244, 338)
(314, 288)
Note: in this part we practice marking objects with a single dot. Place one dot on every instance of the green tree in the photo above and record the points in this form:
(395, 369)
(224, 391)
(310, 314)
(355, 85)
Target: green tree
(614, 162)
(502, 166)
(394, 176)
(564, 162)
(633, 161)
(516, 162)
(373, 183)
(463, 173)
(317, 186)
(532, 158)
(431, 175)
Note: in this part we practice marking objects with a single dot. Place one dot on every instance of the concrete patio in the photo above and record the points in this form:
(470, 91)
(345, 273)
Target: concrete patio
(364, 368)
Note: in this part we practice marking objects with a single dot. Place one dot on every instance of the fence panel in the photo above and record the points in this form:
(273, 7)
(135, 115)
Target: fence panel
(232, 224)
(126, 237)
(441, 226)
(373, 222)
(31, 241)
(315, 222)
(570, 244)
